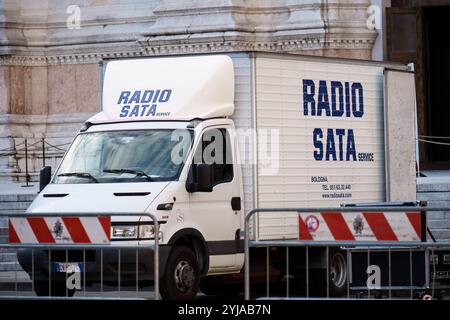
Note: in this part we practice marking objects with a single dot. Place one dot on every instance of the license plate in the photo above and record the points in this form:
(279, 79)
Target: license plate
(68, 267)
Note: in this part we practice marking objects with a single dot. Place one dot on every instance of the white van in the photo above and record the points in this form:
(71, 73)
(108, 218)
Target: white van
(201, 140)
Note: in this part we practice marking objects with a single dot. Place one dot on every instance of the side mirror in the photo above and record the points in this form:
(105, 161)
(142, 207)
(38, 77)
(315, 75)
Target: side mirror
(204, 177)
(201, 180)
(45, 176)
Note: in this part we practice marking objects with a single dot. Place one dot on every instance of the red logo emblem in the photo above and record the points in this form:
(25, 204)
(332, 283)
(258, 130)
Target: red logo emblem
(312, 223)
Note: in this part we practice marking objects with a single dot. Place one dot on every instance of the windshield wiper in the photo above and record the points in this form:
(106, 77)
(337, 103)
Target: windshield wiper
(138, 173)
(79, 175)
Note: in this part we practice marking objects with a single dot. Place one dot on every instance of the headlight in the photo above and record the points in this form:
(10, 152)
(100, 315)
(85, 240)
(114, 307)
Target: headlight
(132, 232)
(124, 232)
(146, 231)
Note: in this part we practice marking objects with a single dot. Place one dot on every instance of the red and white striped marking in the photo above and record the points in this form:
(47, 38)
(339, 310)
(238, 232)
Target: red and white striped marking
(360, 226)
(94, 230)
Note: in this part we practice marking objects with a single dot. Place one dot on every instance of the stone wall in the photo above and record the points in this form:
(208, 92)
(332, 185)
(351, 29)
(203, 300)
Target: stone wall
(50, 69)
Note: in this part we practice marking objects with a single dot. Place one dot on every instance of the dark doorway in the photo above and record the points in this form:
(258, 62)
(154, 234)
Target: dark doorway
(438, 36)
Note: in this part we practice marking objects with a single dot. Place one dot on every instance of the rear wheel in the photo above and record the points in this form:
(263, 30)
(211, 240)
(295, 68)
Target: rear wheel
(181, 278)
(338, 274)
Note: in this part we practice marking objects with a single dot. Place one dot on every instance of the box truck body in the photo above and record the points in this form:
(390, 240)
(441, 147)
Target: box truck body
(297, 131)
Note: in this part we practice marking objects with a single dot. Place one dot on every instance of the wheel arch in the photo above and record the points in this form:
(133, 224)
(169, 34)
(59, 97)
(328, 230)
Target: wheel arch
(193, 239)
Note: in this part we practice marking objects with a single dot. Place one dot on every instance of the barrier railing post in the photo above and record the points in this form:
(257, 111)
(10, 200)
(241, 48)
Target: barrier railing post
(43, 152)
(267, 273)
(156, 258)
(307, 271)
(247, 256)
(287, 272)
(26, 163)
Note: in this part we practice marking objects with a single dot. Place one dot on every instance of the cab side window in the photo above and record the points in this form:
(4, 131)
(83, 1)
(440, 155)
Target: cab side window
(215, 149)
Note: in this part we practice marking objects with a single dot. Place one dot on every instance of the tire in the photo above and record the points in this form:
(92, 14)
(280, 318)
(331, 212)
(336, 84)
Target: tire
(338, 273)
(182, 275)
(58, 289)
(219, 286)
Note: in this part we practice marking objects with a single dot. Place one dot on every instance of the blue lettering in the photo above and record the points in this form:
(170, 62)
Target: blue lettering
(336, 85)
(323, 102)
(331, 146)
(152, 110)
(156, 96)
(144, 108)
(318, 153)
(351, 148)
(341, 133)
(124, 112)
(357, 112)
(124, 97)
(136, 97)
(165, 95)
(134, 112)
(331, 153)
(347, 100)
(147, 96)
(308, 97)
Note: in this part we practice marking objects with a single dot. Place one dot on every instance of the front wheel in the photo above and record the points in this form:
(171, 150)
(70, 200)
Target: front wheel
(182, 276)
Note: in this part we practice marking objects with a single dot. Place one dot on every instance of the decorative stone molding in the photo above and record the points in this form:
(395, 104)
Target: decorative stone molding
(294, 26)
(155, 48)
(82, 58)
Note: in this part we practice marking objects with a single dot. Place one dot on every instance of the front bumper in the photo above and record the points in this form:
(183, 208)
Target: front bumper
(110, 266)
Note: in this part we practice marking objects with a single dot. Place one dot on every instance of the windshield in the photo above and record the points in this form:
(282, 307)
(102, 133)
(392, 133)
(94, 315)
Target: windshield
(125, 156)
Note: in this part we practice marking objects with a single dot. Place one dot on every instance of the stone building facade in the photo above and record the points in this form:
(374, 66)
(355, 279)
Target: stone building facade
(51, 53)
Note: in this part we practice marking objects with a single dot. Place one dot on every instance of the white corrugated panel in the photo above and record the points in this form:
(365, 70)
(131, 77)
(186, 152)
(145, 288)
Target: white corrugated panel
(301, 179)
(243, 119)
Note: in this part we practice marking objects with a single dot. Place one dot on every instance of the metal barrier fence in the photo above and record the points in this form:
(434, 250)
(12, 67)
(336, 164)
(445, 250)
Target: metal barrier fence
(40, 150)
(67, 247)
(390, 248)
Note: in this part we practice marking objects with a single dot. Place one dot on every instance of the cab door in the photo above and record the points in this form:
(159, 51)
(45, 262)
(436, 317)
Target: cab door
(217, 213)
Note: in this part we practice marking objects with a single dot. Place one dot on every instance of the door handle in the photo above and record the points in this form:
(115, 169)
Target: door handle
(236, 203)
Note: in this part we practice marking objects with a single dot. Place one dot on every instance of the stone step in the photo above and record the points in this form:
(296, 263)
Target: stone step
(17, 197)
(5, 250)
(8, 257)
(12, 212)
(10, 266)
(442, 235)
(427, 185)
(438, 215)
(432, 196)
(439, 224)
(7, 206)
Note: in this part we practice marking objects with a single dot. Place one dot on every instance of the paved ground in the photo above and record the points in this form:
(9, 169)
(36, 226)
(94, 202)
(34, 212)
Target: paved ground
(23, 288)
